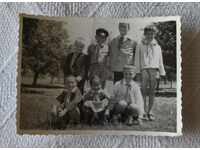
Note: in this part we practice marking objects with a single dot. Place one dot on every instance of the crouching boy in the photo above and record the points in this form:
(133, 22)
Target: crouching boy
(67, 111)
(127, 102)
(95, 103)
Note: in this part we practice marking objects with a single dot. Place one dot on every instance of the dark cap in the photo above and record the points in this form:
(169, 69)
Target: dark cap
(102, 32)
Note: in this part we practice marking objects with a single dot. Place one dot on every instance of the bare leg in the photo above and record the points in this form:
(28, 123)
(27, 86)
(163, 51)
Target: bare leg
(144, 89)
(152, 91)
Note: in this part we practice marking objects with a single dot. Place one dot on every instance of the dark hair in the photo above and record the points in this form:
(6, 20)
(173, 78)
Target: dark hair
(95, 79)
(123, 24)
(102, 32)
(149, 28)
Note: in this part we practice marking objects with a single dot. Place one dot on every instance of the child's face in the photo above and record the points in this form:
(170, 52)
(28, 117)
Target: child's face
(100, 40)
(149, 35)
(70, 83)
(96, 87)
(123, 30)
(129, 75)
(79, 46)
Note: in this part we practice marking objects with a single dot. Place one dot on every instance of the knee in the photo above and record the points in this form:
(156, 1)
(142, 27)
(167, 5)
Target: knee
(133, 110)
(120, 106)
(75, 114)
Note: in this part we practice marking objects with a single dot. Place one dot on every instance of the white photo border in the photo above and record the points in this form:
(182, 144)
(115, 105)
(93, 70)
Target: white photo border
(179, 124)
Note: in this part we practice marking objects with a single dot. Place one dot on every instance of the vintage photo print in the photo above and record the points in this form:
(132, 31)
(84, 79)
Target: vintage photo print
(99, 76)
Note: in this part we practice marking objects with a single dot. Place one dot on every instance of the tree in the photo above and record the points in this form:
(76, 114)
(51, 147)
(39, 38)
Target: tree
(44, 42)
(166, 37)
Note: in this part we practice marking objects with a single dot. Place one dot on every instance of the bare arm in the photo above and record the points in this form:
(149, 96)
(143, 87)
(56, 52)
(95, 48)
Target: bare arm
(161, 65)
(137, 59)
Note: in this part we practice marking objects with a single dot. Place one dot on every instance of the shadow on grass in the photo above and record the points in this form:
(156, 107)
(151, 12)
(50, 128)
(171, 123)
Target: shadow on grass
(32, 89)
(42, 86)
(166, 94)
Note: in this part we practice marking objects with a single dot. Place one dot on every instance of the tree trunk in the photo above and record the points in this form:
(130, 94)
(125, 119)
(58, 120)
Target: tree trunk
(36, 75)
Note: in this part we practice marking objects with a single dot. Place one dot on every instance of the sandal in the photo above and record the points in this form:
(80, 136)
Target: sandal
(151, 117)
(129, 121)
(145, 117)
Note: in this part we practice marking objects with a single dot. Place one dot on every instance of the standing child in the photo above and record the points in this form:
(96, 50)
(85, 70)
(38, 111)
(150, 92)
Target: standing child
(127, 102)
(67, 111)
(76, 63)
(149, 62)
(121, 51)
(95, 103)
(98, 56)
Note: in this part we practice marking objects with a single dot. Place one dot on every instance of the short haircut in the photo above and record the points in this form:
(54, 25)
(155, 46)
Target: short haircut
(150, 28)
(102, 32)
(69, 76)
(125, 25)
(95, 80)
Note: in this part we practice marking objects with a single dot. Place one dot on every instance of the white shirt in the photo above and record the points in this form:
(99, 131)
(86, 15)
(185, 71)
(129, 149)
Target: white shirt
(149, 56)
(133, 96)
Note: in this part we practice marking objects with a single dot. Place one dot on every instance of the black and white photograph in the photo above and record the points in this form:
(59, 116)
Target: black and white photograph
(79, 75)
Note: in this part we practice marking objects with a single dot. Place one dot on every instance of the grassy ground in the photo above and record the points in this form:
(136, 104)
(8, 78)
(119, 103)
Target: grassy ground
(36, 103)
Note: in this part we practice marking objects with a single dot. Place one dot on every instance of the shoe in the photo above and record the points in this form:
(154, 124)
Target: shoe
(140, 122)
(151, 117)
(136, 122)
(145, 117)
(130, 121)
(115, 120)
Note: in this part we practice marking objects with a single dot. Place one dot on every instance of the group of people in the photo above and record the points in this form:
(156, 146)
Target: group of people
(127, 61)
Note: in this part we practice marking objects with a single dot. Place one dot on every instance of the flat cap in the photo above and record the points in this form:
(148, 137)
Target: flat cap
(130, 67)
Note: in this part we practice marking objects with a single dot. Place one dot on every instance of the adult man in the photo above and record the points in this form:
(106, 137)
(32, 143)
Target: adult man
(122, 50)
(149, 63)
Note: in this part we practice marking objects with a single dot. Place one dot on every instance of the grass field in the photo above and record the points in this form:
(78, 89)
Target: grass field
(36, 103)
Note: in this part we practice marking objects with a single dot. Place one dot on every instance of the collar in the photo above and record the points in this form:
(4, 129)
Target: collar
(153, 42)
(125, 37)
(123, 81)
(72, 91)
(101, 46)
(100, 91)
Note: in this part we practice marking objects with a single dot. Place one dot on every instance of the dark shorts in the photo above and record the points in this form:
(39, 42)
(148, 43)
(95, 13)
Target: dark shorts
(72, 117)
(149, 80)
(89, 117)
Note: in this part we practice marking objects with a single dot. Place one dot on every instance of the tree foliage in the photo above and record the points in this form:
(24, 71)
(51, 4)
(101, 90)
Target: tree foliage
(44, 42)
(166, 37)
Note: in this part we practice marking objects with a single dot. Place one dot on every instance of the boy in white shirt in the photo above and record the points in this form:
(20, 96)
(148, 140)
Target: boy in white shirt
(149, 63)
(127, 102)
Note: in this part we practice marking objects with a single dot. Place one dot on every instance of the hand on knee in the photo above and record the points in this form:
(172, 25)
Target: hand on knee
(123, 103)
